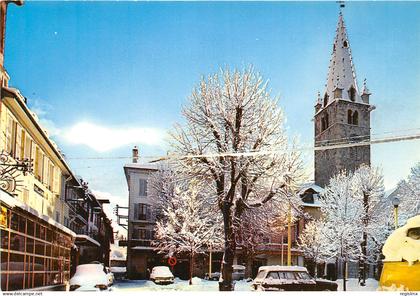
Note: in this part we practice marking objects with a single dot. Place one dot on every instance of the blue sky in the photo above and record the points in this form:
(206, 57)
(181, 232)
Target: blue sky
(125, 69)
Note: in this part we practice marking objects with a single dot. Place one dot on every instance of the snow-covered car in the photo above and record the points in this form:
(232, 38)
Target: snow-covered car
(89, 277)
(401, 270)
(214, 276)
(118, 268)
(237, 274)
(161, 275)
(289, 278)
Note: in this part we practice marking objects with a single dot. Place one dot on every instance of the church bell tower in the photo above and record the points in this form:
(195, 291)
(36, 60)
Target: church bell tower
(342, 115)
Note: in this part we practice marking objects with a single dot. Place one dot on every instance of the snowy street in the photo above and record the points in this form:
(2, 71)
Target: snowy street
(204, 285)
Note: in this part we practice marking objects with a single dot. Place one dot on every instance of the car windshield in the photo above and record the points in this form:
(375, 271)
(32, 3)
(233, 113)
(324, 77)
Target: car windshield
(260, 274)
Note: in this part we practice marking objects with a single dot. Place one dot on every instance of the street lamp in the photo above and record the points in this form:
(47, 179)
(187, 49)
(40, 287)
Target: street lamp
(395, 203)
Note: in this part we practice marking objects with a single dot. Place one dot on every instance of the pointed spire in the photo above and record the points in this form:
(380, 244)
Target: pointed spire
(365, 88)
(365, 93)
(318, 104)
(341, 73)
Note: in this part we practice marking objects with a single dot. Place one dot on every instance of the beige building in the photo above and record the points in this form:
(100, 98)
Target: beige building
(141, 221)
(22, 137)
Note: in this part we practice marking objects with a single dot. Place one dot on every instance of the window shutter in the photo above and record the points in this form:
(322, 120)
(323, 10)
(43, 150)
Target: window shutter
(136, 211)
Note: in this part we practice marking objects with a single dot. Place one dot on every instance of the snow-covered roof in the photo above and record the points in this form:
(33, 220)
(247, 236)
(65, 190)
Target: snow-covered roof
(88, 238)
(341, 72)
(141, 248)
(282, 268)
(144, 166)
(9, 200)
(307, 186)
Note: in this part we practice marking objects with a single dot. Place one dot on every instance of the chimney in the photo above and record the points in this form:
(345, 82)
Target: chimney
(135, 154)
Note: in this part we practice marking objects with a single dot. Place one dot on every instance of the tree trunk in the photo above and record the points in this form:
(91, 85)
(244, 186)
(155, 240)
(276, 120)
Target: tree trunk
(316, 270)
(191, 267)
(226, 283)
(362, 261)
(344, 274)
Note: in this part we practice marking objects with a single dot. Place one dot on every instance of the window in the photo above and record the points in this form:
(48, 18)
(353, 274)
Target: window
(22, 143)
(327, 123)
(39, 161)
(325, 99)
(143, 234)
(50, 175)
(352, 94)
(349, 117)
(355, 118)
(143, 187)
(322, 124)
(273, 275)
(345, 44)
(142, 212)
(28, 147)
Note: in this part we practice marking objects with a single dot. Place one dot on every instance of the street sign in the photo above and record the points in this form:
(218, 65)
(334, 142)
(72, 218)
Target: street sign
(172, 261)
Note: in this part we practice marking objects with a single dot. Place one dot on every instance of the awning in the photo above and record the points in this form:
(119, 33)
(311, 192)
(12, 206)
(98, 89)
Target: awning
(84, 238)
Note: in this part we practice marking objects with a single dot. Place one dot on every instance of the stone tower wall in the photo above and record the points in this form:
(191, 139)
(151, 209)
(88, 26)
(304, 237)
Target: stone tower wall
(329, 162)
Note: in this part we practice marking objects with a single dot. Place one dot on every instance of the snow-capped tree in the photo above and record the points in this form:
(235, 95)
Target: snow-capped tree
(409, 195)
(187, 225)
(313, 242)
(342, 213)
(368, 187)
(234, 139)
(258, 226)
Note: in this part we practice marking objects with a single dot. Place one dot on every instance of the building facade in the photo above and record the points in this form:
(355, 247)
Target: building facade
(141, 221)
(342, 115)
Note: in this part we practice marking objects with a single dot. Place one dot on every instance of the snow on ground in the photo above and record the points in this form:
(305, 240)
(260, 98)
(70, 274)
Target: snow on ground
(205, 285)
(353, 285)
(179, 285)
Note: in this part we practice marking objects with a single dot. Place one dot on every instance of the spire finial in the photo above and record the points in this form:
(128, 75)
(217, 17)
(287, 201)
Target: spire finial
(365, 88)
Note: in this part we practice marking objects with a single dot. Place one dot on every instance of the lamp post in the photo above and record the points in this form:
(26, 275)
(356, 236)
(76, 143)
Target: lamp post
(395, 203)
(289, 236)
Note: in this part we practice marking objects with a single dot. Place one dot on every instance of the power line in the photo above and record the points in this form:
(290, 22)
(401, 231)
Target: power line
(323, 145)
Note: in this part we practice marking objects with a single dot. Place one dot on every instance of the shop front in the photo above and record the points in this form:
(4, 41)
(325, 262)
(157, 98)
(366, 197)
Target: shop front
(35, 250)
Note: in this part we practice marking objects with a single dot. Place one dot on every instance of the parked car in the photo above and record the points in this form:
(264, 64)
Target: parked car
(289, 278)
(238, 272)
(108, 272)
(89, 277)
(214, 276)
(118, 268)
(237, 275)
(161, 275)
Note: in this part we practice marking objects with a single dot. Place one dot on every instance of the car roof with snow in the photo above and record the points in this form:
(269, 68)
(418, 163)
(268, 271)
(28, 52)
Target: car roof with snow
(234, 266)
(282, 268)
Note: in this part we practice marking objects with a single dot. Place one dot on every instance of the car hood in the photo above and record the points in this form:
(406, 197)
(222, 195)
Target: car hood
(89, 280)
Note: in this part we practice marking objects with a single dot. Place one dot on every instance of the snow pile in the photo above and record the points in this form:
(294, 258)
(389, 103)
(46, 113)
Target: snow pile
(400, 247)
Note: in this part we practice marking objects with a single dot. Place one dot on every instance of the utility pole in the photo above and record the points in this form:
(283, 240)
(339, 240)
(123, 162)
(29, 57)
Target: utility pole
(289, 236)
